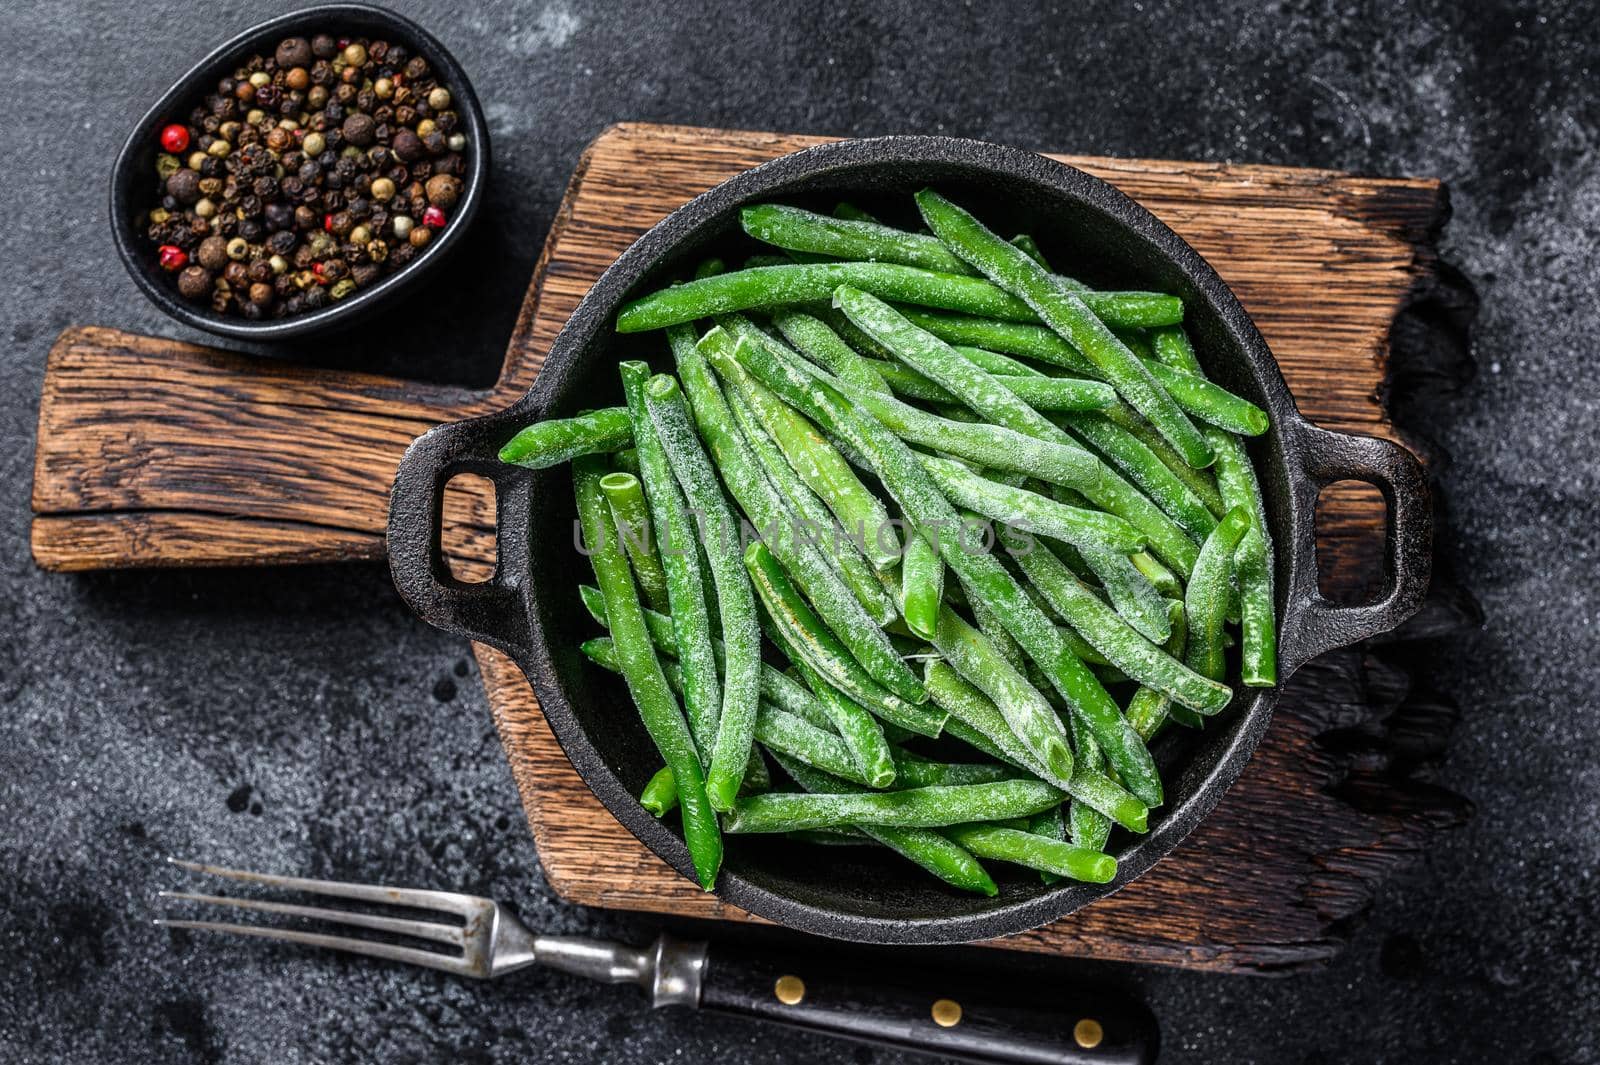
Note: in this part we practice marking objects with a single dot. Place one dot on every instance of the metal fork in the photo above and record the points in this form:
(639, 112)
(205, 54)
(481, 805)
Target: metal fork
(996, 1021)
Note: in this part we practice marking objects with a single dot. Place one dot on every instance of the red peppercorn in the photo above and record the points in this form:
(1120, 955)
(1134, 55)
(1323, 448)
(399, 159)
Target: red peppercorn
(175, 138)
(433, 218)
(327, 223)
(172, 258)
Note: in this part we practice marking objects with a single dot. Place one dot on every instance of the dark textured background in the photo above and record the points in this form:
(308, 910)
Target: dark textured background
(306, 722)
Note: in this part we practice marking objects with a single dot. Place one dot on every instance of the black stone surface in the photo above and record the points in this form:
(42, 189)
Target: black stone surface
(305, 722)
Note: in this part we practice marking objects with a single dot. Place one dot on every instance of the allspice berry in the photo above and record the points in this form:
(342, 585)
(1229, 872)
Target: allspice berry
(293, 52)
(194, 283)
(443, 190)
(261, 293)
(213, 253)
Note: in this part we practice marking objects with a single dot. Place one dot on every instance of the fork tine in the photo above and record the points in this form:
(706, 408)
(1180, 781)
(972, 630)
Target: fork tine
(447, 962)
(438, 933)
(449, 901)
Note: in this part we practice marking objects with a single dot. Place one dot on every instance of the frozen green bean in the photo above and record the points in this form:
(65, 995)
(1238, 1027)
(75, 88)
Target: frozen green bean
(632, 520)
(1036, 852)
(550, 443)
(1206, 599)
(933, 807)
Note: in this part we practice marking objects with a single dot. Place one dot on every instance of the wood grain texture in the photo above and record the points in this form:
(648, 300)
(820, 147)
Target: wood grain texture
(158, 453)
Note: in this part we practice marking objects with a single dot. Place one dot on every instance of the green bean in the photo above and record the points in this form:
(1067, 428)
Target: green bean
(1035, 342)
(642, 671)
(1171, 345)
(921, 586)
(1132, 594)
(1036, 390)
(632, 520)
(839, 608)
(1108, 633)
(1035, 852)
(912, 771)
(819, 343)
(976, 720)
(1206, 600)
(1258, 650)
(741, 636)
(660, 794)
(848, 210)
(550, 443)
(776, 286)
(627, 459)
(776, 728)
(1209, 402)
(923, 504)
(1027, 713)
(1201, 482)
(1041, 514)
(820, 649)
(946, 860)
(1051, 824)
(1070, 314)
(1005, 366)
(742, 474)
(817, 462)
(1144, 468)
(782, 691)
(794, 229)
(1148, 709)
(933, 807)
(1030, 248)
(1048, 460)
(1089, 828)
(1160, 577)
(680, 559)
(844, 553)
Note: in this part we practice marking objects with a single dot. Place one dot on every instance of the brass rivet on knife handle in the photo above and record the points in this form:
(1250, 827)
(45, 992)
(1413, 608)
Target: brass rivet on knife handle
(789, 990)
(1088, 1033)
(946, 1013)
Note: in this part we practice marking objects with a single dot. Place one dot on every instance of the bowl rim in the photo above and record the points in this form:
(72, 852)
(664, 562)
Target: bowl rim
(130, 242)
(504, 613)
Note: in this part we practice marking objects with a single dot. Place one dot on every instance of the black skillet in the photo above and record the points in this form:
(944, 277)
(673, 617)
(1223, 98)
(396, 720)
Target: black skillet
(530, 608)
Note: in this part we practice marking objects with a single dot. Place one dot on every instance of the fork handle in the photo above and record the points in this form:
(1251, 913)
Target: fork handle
(927, 1010)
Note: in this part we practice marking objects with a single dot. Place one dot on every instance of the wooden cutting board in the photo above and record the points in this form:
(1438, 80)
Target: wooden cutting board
(156, 453)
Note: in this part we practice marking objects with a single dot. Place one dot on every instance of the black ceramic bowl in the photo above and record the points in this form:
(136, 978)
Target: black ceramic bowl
(530, 608)
(132, 175)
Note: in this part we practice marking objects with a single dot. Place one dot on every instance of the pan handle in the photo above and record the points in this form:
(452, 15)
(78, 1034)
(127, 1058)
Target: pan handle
(1313, 624)
(490, 611)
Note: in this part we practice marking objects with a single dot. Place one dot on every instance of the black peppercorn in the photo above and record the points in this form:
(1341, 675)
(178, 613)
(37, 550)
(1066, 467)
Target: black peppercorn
(408, 146)
(358, 129)
(316, 298)
(184, 186)
(324, 47)
(282, 242)
(194, 283)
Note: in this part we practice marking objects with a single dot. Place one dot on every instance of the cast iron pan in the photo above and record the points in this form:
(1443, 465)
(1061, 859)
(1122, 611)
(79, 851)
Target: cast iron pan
(530, 608)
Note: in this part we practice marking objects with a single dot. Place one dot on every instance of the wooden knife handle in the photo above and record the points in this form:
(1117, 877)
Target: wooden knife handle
(931, 1010)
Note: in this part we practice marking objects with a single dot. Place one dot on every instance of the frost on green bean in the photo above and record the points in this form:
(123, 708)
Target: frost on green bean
(936, 854)
(926, 507)
(778, 286)
(628, 513)
(1036, 852)
(931, 807)
(794, 229)
(921, 586)
(1041, 514)
(1258, 650)
(772, 517)
(636, 657)
(1206, 599)
(1070, 314)
(741, 636)
(550, 443)
(1109, 634)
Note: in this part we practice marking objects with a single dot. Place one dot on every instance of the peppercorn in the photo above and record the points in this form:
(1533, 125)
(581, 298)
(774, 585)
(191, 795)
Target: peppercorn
(316, 96)
(323, 46)
(355, 54)
(342, 289)
(407, 145)
(194, 283)
(261, 293)
(260, 270)
(377, 250)
(236, 275)
(442, 191)
(358, 129)
(279, 139)
(205, 208)
(219, 149)
(433, 218)
(282, 242)
(382, 189)
(293, 52)
(457, 142)
(316, 298)
(238, 248)
(184, 186)
(360, 235)
(366, 274)
(402, 226)
(213, 253)
(174, 138)
(420, 235)
(298, 79)
(383, 88)
(171, 257)
(439, 98)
